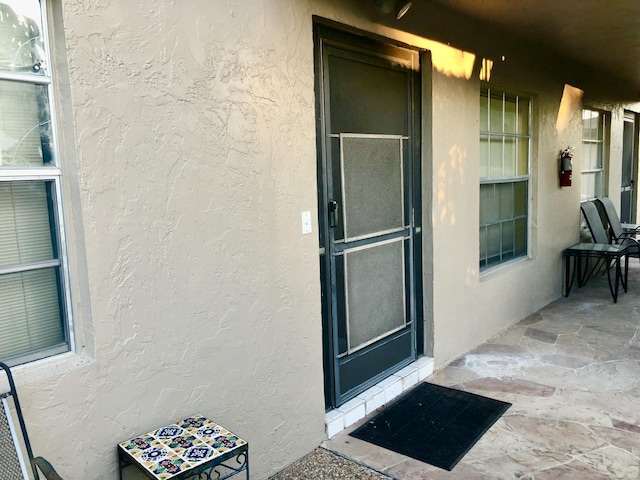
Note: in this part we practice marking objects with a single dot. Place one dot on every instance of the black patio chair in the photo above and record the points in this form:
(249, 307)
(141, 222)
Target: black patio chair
(617, 233)
(598, 234)
(12, 454)
(594, 222)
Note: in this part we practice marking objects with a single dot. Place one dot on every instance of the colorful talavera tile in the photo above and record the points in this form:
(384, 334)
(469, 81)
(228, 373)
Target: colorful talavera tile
(167, 468)
(209, 431)
(193, 422)
(168, 432)
(181, 442)
(138, 443)
(153, 454)
(224, 443)
(177, 448)
(199, 453)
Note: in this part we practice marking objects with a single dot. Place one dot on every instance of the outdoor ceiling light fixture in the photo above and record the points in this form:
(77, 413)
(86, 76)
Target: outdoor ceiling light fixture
(399, 7)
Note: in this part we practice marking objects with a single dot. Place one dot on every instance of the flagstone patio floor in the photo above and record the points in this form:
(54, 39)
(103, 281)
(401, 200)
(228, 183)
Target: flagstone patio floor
(572, 373)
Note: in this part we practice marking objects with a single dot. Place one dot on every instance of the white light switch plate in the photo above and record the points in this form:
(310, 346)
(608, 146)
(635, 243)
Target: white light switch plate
(306, 222)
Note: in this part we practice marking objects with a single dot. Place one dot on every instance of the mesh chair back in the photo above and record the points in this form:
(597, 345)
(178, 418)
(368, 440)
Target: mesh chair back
(592, 217)
(15, 461)
(612, 216)
(12, 466)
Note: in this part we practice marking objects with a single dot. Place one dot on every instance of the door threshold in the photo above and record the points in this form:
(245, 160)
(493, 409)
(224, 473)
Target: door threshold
(384, 392)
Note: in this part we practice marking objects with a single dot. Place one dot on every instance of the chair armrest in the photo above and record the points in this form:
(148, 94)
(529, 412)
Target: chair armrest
(47, 470)
(630, 228)
(629, 241)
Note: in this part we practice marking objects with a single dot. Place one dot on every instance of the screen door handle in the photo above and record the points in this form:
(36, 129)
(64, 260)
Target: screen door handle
(333, 214)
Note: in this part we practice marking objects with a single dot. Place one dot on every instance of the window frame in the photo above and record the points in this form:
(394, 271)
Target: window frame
(51, 175)
(504, 257)
(603, 120)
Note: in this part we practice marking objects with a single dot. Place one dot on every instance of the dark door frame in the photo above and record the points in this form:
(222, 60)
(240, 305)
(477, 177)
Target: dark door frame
(326, 30)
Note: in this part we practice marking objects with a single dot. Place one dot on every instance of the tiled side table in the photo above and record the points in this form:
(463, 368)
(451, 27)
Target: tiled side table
(195, 446)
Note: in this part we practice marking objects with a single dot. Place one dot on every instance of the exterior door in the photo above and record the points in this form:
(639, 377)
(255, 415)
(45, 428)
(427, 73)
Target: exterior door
(629, 167)
(368, 191)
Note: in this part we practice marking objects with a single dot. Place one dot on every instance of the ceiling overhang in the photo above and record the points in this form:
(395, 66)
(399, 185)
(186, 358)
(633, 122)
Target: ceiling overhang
(596, 42)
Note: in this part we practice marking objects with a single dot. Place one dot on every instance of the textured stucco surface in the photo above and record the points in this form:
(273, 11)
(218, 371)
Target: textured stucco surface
(195, 151)
(189, 136)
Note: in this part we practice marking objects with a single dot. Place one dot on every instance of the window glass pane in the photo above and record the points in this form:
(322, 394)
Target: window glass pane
(484, 112)
(523, 156)
(25, 235)
(495, 105)
(29, 312)
(510, 114)
(495, 152)
(599, 162)
(493, 242)
(587, 133)
(597, 185)
(523, 116)
(519, 199)
(504, 197)
(509, 157)
(21, 47)
(483, 246)
(520, 235)
(508, 240)
(591, 125)
(487, 211)
(484, 156)
(25, 126)
(588, 186)
(589, 156)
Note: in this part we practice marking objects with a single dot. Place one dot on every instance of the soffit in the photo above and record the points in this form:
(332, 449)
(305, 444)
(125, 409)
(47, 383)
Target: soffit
(604, 35)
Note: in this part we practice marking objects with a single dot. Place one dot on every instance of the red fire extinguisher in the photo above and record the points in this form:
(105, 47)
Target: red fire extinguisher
(565, 166)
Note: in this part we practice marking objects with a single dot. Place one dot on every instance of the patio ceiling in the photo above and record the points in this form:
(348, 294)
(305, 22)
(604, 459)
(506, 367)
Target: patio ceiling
(597, 35)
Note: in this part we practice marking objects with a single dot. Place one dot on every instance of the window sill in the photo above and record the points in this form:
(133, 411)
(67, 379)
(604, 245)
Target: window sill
(491, 272)
(48, 367)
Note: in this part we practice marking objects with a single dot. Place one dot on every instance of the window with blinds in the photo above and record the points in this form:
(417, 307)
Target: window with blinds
(504, 176)
(34, 313)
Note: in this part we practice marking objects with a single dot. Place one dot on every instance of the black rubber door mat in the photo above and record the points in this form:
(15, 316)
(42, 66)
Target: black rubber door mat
(433, 424)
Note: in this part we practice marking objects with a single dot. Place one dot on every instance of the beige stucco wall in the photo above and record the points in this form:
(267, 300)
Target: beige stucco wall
(188, 136)
(470, 306)
(190, 130)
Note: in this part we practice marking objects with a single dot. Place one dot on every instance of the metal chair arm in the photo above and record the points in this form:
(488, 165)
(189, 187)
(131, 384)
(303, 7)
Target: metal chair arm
(47, 470)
